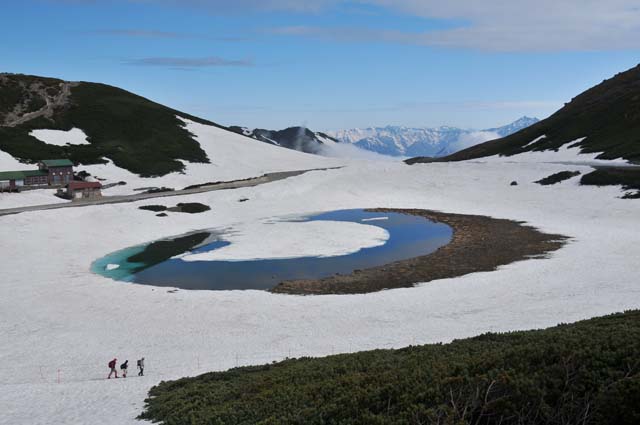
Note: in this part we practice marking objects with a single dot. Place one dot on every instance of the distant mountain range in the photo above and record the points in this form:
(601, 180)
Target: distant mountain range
(604, 119)
(432, 142)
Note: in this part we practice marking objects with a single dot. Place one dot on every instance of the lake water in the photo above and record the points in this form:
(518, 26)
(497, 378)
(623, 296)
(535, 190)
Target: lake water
(152, 264)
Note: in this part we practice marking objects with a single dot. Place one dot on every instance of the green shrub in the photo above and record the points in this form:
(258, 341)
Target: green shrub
(137, 134)
(583, 373)
(557, 177)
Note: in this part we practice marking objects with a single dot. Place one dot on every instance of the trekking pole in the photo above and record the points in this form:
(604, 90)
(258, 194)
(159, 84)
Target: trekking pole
(58, 376)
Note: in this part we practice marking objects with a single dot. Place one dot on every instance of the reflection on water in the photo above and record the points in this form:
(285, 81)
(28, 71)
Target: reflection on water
(152, 264)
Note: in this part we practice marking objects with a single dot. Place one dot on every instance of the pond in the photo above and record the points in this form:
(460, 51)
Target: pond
(155, 263)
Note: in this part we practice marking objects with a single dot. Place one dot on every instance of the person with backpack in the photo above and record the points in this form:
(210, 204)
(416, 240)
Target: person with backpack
(141, 367)
(124, 366)
(112, 368)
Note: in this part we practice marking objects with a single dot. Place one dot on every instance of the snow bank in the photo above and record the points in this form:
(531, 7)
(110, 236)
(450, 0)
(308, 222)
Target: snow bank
(75, 136)
(281, 239)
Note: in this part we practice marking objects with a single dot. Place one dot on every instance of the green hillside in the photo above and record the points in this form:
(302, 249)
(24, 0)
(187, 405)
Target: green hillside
(137, 134)
(583, 373)
(607, 116)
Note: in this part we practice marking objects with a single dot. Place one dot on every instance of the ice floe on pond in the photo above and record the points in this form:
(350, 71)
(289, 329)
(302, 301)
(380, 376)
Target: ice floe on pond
(282, 239)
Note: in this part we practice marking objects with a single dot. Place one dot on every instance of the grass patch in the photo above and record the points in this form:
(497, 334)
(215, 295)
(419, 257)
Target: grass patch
(557, 177)
(582, 373)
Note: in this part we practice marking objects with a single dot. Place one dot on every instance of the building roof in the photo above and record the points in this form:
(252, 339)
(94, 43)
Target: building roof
(75, 185)
(57, 162)
(20, 175)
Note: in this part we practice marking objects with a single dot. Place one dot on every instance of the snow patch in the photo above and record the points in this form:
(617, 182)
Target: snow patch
(536, 140)
(75, 136)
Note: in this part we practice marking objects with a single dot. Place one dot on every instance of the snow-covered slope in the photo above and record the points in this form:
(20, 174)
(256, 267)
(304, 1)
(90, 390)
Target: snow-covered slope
(297, 138)
(232, 157)
(440, 141)
(60, 324)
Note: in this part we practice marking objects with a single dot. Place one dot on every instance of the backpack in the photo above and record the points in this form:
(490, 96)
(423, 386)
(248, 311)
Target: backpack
(139, 363)
(112, 364)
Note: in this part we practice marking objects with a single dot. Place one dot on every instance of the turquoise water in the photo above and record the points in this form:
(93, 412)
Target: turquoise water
(151, 264)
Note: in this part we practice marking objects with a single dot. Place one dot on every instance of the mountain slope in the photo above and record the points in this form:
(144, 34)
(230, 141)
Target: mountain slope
(135, 133)
(297, 138)
(439, 141)
(604, 119)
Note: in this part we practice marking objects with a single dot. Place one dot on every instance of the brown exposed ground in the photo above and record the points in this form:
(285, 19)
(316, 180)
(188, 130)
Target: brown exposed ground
(479, 243)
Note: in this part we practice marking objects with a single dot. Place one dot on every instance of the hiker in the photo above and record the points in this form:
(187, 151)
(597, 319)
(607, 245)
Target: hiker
(112, 367)
(124, 367)
(141, 367)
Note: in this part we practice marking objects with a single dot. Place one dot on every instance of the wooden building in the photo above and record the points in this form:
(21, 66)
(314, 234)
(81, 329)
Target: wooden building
(84, 190)
(60, 171)
(50, 172)
(14, 180)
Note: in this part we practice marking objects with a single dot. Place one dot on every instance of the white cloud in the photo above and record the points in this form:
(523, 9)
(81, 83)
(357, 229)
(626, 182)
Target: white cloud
(509, 25)
(496, 25)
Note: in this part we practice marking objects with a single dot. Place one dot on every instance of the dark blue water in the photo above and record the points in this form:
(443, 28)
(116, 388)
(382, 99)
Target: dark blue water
(151, 264)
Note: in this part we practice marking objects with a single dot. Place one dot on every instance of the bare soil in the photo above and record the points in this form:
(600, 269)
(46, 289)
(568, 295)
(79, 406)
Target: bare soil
(478, 244)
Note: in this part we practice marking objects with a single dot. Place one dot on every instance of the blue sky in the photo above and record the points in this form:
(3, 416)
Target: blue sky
(331, 64)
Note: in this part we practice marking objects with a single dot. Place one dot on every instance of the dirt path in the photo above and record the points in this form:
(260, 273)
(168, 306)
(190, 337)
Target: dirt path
(234, 184)
(58, 100)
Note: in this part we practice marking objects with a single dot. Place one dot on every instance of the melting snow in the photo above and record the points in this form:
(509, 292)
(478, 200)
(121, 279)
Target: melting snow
(75, 136)
(58, 321)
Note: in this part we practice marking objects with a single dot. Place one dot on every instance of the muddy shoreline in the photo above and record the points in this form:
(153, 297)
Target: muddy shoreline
(479, 243)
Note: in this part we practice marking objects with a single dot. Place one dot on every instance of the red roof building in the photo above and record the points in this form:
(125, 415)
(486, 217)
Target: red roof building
(84, 190)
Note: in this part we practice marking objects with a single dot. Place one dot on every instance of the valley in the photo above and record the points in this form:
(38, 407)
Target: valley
(516, 255)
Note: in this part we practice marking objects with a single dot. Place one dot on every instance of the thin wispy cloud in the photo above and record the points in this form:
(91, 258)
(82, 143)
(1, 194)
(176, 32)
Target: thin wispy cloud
(140, 33)
(143, 33)
(494, 25)
(191, 63)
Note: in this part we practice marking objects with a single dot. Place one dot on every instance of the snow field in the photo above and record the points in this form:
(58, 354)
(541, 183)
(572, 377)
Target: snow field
(56, 315)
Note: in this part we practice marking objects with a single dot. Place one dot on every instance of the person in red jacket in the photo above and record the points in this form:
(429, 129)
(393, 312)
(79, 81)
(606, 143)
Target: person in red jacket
(112, 366)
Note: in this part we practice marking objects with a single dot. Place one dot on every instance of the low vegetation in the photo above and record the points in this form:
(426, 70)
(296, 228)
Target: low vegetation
(135, 133)
(155, 208)
(627, 177)
(583, 373)
(557, 177)
(190, 208)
